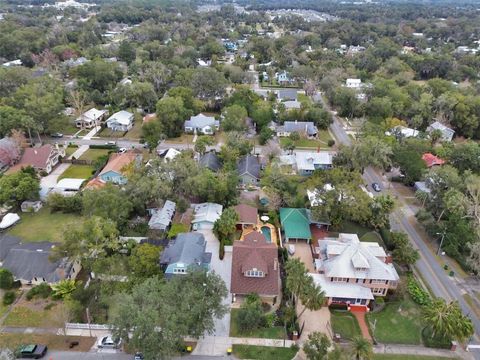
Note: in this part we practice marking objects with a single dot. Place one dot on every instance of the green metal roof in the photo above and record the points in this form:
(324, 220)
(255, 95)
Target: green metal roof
(295, 223)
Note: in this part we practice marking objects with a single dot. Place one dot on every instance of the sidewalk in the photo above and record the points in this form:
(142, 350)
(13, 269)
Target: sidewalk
(421, 350)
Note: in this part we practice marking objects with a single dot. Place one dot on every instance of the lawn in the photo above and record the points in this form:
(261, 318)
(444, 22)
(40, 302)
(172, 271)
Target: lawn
(263, 352)
(184, 139)
(407, 357)
(324, 136)
(43, 226)
(93, 154)
(353, 228)
(106, 132)
(276, 332)
(54, 342)
(70, 150)
(371, 236)
(135, 132)
(345, 324)
(304, 143)
(78, 172)
(398, 323)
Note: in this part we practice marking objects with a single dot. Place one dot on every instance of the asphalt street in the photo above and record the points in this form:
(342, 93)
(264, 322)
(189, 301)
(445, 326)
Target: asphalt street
(73, 355)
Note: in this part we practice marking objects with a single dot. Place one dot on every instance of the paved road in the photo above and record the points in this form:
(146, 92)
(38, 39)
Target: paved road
(401, 219)
(73, 355)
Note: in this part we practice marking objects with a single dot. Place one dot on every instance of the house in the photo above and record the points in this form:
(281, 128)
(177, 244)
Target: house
(282, 78)
(307, 162)
(95, 184)
(168, 154)
(255, 268)
(447, 133)
(287, 94)
(16, 62)
(248, 169)
(353, 272)
(68, 187)
(185, 253)
(292, 105)
(432, 160)
(202, 124)
(114, 171)
(402, 132)
(203, 63)
(125, 81)
(162, 218)
(120, 121)
(210, 161)
(295, 224)
(91, 118)
(43, 158)
(205, 215)
(30, 262)
(306, 128)
(247, 216)
(354, 83)
(31, 206)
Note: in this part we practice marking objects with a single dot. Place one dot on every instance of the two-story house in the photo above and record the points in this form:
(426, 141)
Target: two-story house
(353, 272)
(43, 158)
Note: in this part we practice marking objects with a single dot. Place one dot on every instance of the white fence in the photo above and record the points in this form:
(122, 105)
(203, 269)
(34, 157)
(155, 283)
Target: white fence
(81, 326)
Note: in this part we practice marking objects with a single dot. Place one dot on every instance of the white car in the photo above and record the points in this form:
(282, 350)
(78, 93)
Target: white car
(122, 150)
(107, 342)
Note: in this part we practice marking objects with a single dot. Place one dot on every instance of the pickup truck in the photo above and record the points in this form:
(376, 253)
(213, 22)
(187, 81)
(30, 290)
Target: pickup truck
(33, 351)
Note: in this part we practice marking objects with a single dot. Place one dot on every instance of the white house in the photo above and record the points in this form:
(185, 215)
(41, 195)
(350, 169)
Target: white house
(307, 162)
(205, 215)
(91, 118)
(161, 218)
(120, 121)
(402, 131)
(354, 83)
(202, 124)
(447, 133)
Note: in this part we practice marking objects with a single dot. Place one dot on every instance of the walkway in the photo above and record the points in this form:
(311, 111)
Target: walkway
(421, 350)
(359, 313)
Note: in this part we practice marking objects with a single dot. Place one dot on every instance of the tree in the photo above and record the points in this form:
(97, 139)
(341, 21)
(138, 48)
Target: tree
(250, 315)
(234, 118)
(208, 84)
(410, 163)
(126, 52)
(12, 118)
(188, 98)
(403, 252)
(262, 114)
(473, 259)
(225, 226)
(105, 202)
(317, 345)
(6, 279)
(381, 207)
(9, 151)
(361, 348)
(368, 151)
(152, 133)
(447, 321)
(435, 136)
(202, 143)
(144, 261)
(157, 328)
(312, 297)
(172, 113)
(18, 187)
(64, 288)
(98, 75)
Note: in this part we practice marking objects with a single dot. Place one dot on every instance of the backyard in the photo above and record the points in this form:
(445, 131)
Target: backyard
(321, 142)
(344, 324)
(76, 171)
(263, 352)
(275, 332)
(48, 226)
(398, 323)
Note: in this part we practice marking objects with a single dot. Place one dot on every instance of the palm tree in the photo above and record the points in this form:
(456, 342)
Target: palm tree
(361, 348)
(297, 278)
(312, 297)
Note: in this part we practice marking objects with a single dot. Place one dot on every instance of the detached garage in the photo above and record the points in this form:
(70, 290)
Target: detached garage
(295, 224)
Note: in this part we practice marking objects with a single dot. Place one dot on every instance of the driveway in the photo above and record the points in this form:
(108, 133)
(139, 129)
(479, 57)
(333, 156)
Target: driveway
(224, 269)
(302, 252)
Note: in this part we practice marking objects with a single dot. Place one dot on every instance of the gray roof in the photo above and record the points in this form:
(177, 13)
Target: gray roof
(298, 126)
(162, 218)
(31, 260)
(211, 161)
(249, 164)
(200, 121)
(187, 248)
(287, 94)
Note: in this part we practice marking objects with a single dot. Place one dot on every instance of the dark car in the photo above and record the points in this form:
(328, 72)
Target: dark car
(56, 135)
(376, 187)
(138, 356)
(33, 351)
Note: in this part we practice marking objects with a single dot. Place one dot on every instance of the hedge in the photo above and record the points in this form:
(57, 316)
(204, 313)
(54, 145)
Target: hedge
(418, 294)
(108, 147)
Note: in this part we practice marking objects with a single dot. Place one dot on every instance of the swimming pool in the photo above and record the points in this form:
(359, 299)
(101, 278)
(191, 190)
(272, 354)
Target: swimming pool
(267, 233)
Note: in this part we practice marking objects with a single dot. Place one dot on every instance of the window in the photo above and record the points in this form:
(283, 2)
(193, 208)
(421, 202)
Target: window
(378, 291)
(179, 271)
(340, 279)
(375, 281)
(254, 273)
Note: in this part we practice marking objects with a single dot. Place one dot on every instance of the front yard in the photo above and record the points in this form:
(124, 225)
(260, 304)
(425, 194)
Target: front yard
(344, 324)
(263, 352)
(275, 332)
(305, 143)
(43, 225)
(183, 139)
(54, 342)
(94, 154)
(398, 323)
(75, 171)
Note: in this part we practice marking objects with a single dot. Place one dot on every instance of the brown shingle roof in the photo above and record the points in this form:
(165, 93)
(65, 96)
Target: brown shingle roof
(118, 161)
(36, 157)
(246, 214)
(255, 252)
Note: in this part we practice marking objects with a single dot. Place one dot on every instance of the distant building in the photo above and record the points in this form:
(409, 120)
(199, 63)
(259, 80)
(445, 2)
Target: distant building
(31, 206)
(287, 94)
(211, 161)
(283, 78)
(120, 121)
(354, 83)
(432, 160)
(402, 131)
(447, 133)
(43, 158)
(17, 62)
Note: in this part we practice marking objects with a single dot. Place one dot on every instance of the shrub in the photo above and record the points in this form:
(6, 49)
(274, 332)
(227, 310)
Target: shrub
(8, 298)
(250, 315)
(43, 291)
(270, 320)
(419, 295)
(437, 342)
(49, 306)
(380, 300)
(6, 279)
(445, 267)
(331, 142)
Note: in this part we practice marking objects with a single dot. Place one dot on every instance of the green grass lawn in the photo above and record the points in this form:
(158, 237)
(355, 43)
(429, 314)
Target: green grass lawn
(353, 228)
(323, 136)
(43, 226)
(25, 316)
(75, 171)
(371, 236)
(276, 332)
(93, 154)
(106, 132)
(407, 357)
(184, 139)
(70, 150)
(345, 324)
(263, 352)
(398, 323)
(304, 143)
(135, 132)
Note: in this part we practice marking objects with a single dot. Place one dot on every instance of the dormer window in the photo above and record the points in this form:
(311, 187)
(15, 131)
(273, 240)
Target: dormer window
(254, 273)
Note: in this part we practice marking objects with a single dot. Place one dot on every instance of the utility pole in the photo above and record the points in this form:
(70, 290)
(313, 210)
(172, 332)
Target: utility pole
(441, 241)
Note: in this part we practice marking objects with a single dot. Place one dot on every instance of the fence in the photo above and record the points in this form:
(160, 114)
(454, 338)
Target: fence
(81, 326)
(77, 161)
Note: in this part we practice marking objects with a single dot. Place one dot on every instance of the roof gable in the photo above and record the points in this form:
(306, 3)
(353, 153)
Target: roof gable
(295, 223)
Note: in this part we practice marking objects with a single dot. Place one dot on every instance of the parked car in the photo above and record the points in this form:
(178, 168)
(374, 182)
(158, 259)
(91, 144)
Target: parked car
(57, 135)
(32, 351)
(376, 187)
(107, 342)
(122, 150)
(138, 356)
(111, 143)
